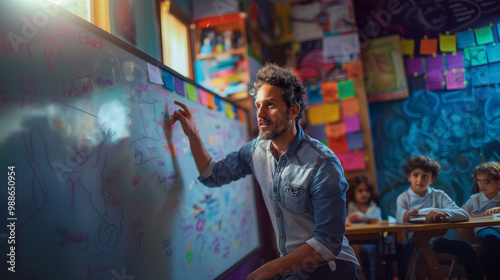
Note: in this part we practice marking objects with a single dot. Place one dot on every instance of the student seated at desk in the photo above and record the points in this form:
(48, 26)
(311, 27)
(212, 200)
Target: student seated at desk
(437, 206)
(485, 203)
(363, 208)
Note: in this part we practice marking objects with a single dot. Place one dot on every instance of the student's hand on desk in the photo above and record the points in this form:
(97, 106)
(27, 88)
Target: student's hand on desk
(354, 218)
(408, 214)
(492, 211)
(186, 119)
(436, 216)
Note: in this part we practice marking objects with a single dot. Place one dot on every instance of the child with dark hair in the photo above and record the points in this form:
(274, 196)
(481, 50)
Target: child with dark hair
(436, 206)
(363, 208)
(487, 202)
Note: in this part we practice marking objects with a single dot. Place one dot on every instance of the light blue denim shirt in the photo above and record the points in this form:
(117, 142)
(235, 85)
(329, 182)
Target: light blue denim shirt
(304, 192)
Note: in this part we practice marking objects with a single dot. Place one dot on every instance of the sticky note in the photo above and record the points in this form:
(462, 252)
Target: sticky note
(416, 83)
(211, 101)
(414, 65)
(346, 89)
(191, 91)
(355, 140)
(324, 113)
(335, 129)
(168, 79)
(314, 94)
(154, 74)
(455, 80)
(330, 91)
(317, 131)
(338, 144)
(455, 61)
(352, 123)
(434, 80)
(203, 97)
(352, 160)
(493, 52)
(242, 116)
(229, 111)
(478, 56)
(350, 106)
(435, 63)
(484, 35)
(218, 103)
(480, 76)
(354, 70)
(447, 43)
(465, 39)
(408, 47)
(494, 73)
(498, 29)
(179, 86)
(428, 46)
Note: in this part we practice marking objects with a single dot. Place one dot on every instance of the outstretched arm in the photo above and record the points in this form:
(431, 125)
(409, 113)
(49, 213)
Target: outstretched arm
(200, 154)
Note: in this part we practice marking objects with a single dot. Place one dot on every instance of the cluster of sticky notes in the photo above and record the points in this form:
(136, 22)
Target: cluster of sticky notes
(450, 43)
(192, 92)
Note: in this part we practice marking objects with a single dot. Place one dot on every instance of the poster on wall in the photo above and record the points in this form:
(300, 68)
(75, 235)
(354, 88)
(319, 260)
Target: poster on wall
(384, 69)
(124, 20)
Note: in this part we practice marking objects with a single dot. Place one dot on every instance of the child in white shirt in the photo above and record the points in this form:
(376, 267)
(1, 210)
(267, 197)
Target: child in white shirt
(437, 206)
(484, 203)
(363, 208)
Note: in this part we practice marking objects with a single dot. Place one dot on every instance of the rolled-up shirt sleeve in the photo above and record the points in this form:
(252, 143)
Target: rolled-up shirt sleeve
(328, 201)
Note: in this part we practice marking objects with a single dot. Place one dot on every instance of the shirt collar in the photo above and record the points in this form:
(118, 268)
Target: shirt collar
(483, 197)
(426, 194)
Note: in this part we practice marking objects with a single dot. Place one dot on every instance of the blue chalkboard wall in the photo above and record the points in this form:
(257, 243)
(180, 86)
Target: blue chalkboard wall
(100, 191)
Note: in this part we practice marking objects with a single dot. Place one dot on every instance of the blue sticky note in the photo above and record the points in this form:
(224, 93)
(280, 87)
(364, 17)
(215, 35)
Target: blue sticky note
(495, 73)
(218, 103)
(465, 39)
(493, 52)
(480, 76)
(355, 140)
(498, 29)
(317, 131)
(314, 94)
(416, 83)
(478, 56)
(168, 79)
(179, 86)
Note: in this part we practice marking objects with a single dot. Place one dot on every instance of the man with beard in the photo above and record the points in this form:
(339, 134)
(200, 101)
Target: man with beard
(301, 180)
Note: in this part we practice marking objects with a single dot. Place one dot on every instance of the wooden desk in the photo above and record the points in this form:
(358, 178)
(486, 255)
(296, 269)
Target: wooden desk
(422, 234)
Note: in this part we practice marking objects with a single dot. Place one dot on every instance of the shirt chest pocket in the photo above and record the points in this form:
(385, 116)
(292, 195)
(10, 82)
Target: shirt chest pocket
(294, 198)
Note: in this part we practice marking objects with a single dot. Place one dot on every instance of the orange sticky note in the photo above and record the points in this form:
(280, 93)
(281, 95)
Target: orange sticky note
(211, 101)
(330, 91)
(335, 130)
(338, 144)
(428, 46)
(354, 70)
(242, 116)
(350, 106)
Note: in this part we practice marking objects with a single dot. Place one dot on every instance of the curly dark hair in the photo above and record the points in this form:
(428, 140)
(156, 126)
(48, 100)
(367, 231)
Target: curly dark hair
(292, 89)
(425, 163)
(355, 182)
(491, 169)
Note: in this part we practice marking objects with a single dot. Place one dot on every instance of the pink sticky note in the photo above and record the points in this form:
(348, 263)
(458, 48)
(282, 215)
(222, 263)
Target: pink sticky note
(351, 123)
(434, 80)
(455, 61)
(435, 63)
(414, 65)
(455, 80)
(352, 160)
(203, 97)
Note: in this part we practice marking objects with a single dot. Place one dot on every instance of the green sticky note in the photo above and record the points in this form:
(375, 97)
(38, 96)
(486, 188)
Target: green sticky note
(484, 35)
(191, 91)
(346, 89)
(478, 56)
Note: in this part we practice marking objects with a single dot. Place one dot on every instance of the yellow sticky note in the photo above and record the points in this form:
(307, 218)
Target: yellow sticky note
(229, 111)
(408, 46)
(324, 113)
(448, 43)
